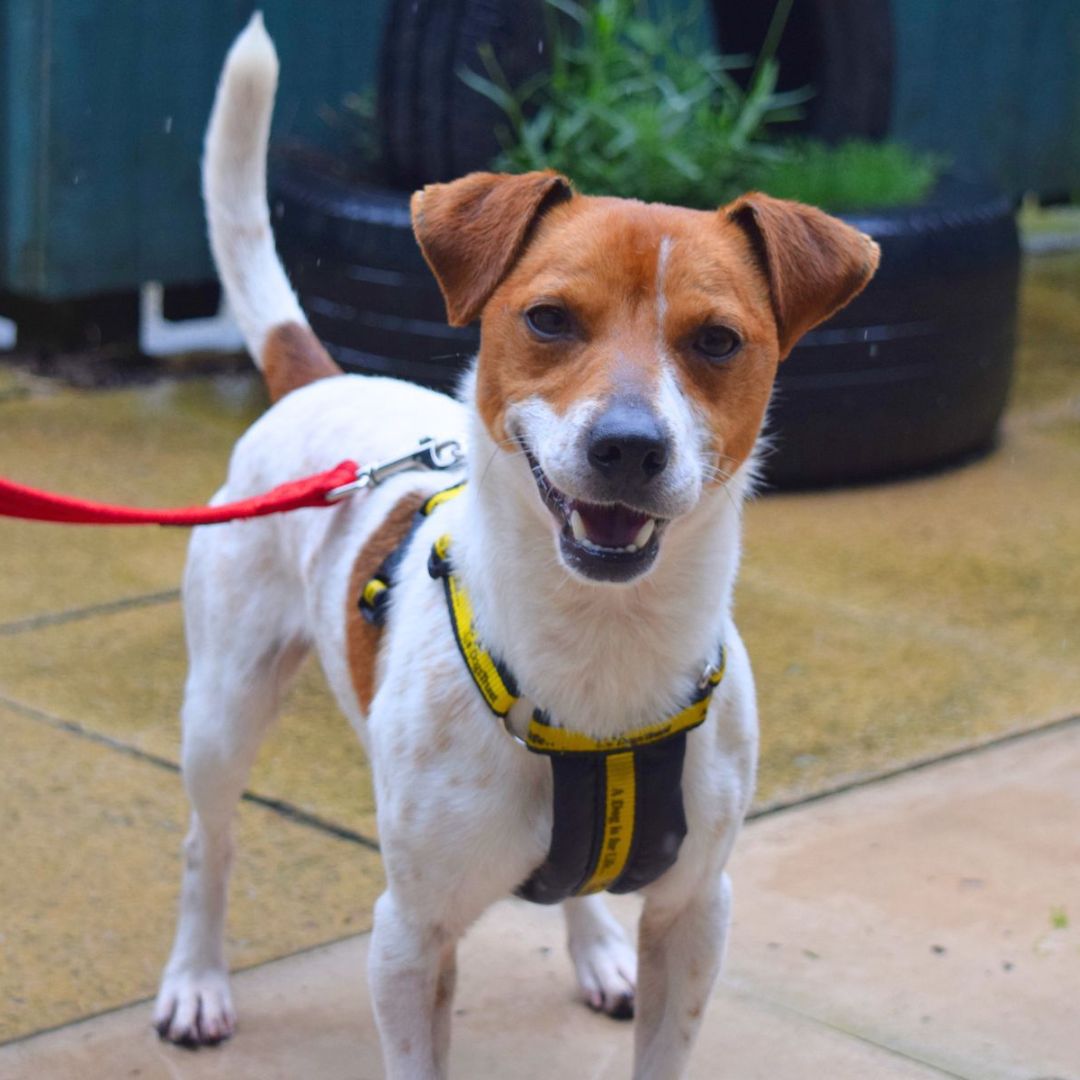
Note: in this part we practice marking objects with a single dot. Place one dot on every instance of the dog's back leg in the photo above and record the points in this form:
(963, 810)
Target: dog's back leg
(603, 957)
(242, 652)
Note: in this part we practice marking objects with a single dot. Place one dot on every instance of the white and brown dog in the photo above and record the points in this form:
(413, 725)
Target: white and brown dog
(628, 354)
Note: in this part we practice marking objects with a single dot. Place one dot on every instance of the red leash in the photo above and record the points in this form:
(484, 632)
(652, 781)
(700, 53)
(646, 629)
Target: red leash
(322, 489)
(18, 501)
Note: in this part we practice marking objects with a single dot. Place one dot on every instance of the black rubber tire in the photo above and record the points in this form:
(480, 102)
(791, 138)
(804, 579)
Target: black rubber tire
(842, 48)
(434, 127)
(915, 372)
(352, 258)
(912, 375)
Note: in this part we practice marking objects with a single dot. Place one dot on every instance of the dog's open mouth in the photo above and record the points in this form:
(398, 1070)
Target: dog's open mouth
(602, 541)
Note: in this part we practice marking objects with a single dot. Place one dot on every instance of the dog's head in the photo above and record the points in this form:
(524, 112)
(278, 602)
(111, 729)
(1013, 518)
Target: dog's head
(628, 350)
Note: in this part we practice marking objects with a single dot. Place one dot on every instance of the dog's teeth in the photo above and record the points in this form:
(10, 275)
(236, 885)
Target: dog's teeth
(577, 526)
(644, 534)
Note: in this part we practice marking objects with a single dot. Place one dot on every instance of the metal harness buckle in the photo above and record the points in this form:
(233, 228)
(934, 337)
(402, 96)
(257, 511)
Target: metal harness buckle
(707, 676)
(431, 455)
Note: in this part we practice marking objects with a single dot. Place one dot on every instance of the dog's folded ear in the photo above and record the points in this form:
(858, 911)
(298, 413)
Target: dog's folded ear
(814, 263)
(472, 230)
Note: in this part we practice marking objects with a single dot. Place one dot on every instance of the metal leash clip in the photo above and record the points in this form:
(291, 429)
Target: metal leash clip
(430, 455)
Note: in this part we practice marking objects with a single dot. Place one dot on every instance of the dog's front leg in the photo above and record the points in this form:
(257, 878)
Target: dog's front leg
(411, 967)
(445, 984)
(680, 949)
(604, 960)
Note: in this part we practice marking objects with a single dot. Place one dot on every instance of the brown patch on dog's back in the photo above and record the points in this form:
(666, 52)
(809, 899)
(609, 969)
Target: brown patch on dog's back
(293, 357)
(361, 637)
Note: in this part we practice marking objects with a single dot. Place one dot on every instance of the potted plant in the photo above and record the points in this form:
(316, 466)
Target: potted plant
(912, 375)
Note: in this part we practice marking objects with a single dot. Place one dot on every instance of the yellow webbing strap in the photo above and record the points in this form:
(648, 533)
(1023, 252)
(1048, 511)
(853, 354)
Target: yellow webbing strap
(618, 823)
(544, 738)
(541, 736)
(481, 664)
(376, 591)
(441, 497)
(372, 590)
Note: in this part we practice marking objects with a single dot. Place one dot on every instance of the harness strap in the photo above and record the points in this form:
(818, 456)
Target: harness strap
(375, 594)
(618, 815)
(495, 683)
(544, 738)
(634, 801)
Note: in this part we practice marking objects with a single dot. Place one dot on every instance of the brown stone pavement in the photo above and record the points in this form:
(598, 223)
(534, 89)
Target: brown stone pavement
(918, 927)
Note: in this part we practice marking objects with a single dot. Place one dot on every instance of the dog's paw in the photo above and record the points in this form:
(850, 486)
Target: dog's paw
(195, 1010)
(606, 965)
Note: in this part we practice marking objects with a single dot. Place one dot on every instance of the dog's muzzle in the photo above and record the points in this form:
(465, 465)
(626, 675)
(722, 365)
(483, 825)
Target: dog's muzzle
(600, 541)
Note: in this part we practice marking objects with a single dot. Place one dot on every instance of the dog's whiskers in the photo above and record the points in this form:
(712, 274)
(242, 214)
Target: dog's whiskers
(715, 472)
(512, 448)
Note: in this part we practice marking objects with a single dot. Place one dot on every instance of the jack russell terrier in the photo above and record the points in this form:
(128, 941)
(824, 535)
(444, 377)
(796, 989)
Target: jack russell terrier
(544, 670)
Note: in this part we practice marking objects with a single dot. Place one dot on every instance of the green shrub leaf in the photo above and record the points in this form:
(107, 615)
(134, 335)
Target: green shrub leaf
(633, 107)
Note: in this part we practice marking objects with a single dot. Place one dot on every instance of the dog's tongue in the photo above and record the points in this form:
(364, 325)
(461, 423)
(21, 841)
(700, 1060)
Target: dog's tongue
(611, 526)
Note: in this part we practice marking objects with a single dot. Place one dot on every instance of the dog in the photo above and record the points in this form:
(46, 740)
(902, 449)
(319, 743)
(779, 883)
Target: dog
(627, 356)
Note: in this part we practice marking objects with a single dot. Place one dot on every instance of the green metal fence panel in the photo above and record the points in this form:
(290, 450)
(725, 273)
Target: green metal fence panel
(994, 85)
(103, 108)
(103, 105)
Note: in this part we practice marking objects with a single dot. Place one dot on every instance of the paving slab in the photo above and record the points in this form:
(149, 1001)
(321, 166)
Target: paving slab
(848, 690)
(515, 1015)
(985, 554)
(15, 384)
(1048, 362)
(121, 674)
(959, 577)
(166, 444)
(845, 692)
(918, 927)
(90, 873)
(937, 913)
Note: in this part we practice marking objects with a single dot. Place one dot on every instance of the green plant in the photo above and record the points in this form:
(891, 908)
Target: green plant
(853, 175)
(631, 106)
(356, 124)
(636, 108)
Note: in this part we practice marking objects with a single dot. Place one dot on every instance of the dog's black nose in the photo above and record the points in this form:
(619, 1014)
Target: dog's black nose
(628, 444)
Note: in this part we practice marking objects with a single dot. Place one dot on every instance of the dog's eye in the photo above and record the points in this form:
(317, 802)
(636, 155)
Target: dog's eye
(548, 320)
(717, 342)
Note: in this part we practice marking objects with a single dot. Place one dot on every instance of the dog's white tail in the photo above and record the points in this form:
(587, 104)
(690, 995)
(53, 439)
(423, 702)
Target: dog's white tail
(234, 189)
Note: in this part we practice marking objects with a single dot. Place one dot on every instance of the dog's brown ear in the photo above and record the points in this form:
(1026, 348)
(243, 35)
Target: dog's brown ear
(472, 230)
(814, 263)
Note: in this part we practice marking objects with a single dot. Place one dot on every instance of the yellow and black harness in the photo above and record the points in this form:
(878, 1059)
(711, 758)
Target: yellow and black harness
(618, 819)
(375, 594)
